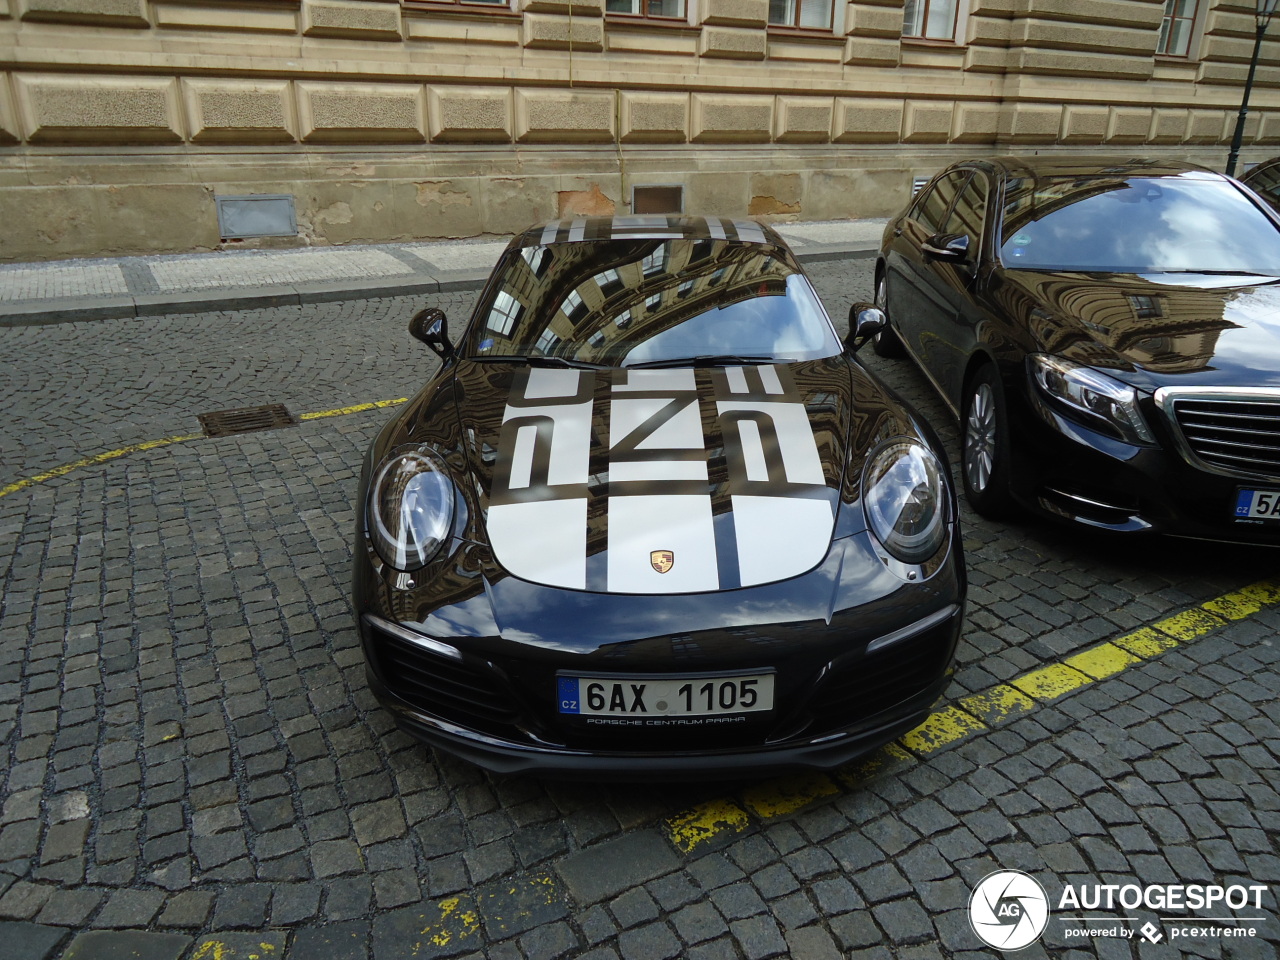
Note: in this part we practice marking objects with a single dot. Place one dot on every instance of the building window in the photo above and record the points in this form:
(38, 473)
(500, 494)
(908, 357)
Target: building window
(1175, 29)
(650, 9)
(929, 19)
(806, 14)
(504, 313)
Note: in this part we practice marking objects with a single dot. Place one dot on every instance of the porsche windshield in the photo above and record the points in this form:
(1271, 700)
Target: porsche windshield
(626, 302)
(1184, 224)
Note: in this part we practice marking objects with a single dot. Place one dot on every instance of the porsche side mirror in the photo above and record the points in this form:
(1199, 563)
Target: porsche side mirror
(865, 321)
(951, 247)
(429, 326)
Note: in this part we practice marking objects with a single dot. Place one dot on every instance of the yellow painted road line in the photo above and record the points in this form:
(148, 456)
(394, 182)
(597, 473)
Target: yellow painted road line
(975, 714)
(100, 458)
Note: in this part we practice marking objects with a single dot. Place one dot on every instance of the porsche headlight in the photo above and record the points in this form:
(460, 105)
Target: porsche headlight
(1092, 397)
(905, 499)
(410, 509)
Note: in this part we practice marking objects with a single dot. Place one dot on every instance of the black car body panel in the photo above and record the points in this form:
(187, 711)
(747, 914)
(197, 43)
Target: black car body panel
(472, 651)
(1175, 335)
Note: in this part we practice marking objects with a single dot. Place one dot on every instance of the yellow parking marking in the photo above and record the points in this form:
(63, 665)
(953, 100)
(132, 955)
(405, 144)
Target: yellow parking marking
(1104, 660)
(1146, 642)
(941, 728)
(1050, 682)
(100, 458)
(358, 408)
(1189, 624)
(973, 715)
(95, 460)
(997, 705)
(774, 798)
(699, 824)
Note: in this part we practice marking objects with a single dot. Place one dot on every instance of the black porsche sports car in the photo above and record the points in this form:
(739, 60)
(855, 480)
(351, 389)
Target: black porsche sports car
(1108, 334)
(652, 517)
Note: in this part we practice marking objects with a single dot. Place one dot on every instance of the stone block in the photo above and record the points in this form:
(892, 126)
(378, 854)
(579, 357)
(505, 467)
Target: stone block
(469, 114)
(735, 13)
(181, 16)
(548, 31)
(986, 59)
(872, 51)
(975, 123)
(1077, 63)
(1084, 124)
(1268, 128)
(733, 43)
(1205, 126)
(926, 121)
(988, 31)
(1128, 125)
(360, 112)
(654, 117)
(354, 19)
(1136, 41)
(725, 118)
(1168, 126)
(512, 203)
(437, 208)
(564, 116)
(803, 119)
(107, 13)
(9, 127)
(1143, 15)
(719, 194)
(98, 109)
(1031, 123)
(632, 37)
(868, 121)
(505, 32)
(821, 49)
(240, 111)
(861, 20)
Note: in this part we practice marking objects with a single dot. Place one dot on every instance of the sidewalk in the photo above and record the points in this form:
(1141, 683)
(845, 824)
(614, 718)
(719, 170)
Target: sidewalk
(59, 291)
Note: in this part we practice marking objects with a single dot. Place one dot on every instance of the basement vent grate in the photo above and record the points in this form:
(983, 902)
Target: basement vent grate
(226, 423)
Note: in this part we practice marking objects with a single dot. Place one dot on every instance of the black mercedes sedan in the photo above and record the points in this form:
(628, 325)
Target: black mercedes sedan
(1107, 333)
(651, 517)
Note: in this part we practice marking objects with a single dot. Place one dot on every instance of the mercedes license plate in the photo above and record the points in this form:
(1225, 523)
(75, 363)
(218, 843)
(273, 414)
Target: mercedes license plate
(702, 696)
(1258, 505)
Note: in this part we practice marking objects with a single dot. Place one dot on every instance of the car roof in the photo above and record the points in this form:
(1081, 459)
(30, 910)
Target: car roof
(592, 229)
(1053, 166)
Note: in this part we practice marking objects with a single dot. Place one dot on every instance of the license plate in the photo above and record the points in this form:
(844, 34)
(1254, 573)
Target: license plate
(1258, 505)
(639, 697)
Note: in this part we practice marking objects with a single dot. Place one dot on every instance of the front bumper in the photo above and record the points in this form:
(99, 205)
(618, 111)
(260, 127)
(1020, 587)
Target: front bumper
(851, 672)
(1064, 470)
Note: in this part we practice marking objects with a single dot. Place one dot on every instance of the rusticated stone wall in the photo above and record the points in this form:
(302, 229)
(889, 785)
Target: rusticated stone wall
(121, 120)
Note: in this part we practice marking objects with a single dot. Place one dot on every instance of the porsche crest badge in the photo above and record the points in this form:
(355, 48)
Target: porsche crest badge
(662, 560)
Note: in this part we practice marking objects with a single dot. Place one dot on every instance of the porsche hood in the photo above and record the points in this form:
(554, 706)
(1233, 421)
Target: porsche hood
(659, 481)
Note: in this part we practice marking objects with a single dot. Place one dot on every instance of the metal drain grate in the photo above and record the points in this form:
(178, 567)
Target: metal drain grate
(225, 423)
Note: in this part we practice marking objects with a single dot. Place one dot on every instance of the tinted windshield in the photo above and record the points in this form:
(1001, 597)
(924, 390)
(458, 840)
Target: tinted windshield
(620, 302)
(1136, 225)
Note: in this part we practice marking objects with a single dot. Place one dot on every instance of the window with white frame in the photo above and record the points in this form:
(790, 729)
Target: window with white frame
(504, 313)
(805, 14)
(930, 19)
(1176, 27)
(648, 9)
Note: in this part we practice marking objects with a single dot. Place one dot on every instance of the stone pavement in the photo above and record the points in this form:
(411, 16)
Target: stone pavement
(192, 767)
(64, 290)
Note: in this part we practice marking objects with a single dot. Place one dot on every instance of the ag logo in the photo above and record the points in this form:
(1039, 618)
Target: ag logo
(662, 560)
(1008, 910)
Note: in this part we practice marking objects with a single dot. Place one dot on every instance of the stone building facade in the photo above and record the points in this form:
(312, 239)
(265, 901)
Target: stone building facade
(124, 123)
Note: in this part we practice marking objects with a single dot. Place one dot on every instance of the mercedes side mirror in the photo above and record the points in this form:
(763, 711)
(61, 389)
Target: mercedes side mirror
(951, 247)
(429, 326)
(865, 321)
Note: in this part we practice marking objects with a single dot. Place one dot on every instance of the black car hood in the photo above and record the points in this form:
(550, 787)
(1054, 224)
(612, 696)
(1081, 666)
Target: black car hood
(660, 481)
(1155, 330)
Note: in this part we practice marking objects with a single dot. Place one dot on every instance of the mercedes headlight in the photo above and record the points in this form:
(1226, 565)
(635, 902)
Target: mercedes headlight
(905, 499)
(1087, 395)
(410, 509)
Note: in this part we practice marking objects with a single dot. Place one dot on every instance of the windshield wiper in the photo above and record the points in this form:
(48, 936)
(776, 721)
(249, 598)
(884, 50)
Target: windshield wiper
(706, 360)
(542, 361)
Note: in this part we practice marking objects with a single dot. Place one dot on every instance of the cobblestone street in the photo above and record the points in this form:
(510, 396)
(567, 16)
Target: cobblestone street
(194, 769)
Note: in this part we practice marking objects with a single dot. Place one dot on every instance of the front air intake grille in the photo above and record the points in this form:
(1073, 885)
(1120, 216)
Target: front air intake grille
(467, 694)
(1239, 436)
